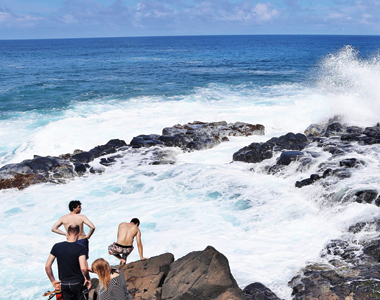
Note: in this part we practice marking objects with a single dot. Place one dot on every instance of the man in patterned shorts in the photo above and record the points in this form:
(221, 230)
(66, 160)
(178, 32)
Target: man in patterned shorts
(124, 244)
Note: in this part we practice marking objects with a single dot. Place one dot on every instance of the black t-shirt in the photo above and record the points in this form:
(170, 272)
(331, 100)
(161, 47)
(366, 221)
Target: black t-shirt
(67, 255)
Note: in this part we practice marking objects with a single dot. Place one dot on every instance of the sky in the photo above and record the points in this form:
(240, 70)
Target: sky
(41, 19)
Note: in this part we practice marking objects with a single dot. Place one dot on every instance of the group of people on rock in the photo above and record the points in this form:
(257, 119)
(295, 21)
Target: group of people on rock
(72, 255)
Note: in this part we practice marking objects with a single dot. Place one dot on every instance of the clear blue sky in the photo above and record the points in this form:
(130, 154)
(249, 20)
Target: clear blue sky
(33, 19)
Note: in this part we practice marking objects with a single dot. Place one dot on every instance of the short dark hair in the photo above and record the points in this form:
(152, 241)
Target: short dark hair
(74, 204)
(136, 221)
(73, 230)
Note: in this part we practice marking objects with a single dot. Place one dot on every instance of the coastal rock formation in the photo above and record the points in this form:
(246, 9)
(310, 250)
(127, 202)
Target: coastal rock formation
(188, 137)
(197, 135)
(351, 271)
(257, 152)
(200, 275)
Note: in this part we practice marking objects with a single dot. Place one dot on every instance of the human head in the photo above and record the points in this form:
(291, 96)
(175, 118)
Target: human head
(136, 221)
(73, 230)
(74, 204)
(103, 269)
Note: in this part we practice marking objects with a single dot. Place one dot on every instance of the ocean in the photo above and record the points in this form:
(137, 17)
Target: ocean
(64, 94)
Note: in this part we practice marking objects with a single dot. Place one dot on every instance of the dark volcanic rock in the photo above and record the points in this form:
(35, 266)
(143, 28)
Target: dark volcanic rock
(257, 152)
(287, 157)
(111, 147)
(41, 164)
(258, 291)
(84, 157)
(146, 141)
(366, 196)
(350, 162)
(201, 275)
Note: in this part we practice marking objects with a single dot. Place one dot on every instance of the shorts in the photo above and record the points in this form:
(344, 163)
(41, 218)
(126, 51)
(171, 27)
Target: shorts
(84, 242)
(117, 249)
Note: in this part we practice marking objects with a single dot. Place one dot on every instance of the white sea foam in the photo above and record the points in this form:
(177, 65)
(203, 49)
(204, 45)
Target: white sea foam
(266, 227)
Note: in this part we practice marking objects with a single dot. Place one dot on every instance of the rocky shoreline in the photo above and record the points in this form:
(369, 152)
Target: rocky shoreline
(199, 275)
(189, 137)
(348, 268)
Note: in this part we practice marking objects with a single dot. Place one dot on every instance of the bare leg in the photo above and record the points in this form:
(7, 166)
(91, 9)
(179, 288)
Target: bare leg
(122, 260)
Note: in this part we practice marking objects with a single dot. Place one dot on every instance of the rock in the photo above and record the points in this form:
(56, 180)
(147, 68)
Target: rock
(373, 250)
(257, 152)
(83, 157)
(80, 168)
(342, 173)
(366, 196)
(258, 291)
(41, 164)
(111, 147)
(287, 157)
(334, 128)
(21, 181)
(350, 162)
(97, 170)
(146, 141)
(201, 275)
(9, 171)
(314, 130)
(144, 278)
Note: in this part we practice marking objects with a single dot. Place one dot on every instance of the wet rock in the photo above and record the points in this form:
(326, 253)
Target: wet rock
(342, 173)
(366, 196)
(373, 250)
(351, 162)
(377, 201)
(146, 141)
(80, 168)
(354, 129)
(287, 157)
(41, 164)
(97, 170)
(201, 275)
(258, 291)
(83, 157)
(353, 137)
(112, 146)
(328, 172)
(257, 152)
(107, 161)
(314, 130)
(21, 181)
(334, 128)
(9, 171)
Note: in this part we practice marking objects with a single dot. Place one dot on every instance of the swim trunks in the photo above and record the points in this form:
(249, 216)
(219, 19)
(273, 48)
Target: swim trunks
(117, 249)
(84, 243)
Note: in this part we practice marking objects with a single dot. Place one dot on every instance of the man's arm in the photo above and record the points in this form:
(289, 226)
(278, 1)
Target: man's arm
(139, 245)
(49, 272)
(89, 224)
(56, 226)
(84, 269)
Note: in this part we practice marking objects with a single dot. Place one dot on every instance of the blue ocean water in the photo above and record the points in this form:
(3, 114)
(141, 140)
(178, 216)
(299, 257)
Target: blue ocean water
(60, 95)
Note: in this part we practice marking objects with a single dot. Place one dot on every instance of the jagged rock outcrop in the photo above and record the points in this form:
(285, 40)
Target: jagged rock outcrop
(257, 152)
(145, 278)
(351, 273)
(197, 135)
(201, 275)
(188, 137)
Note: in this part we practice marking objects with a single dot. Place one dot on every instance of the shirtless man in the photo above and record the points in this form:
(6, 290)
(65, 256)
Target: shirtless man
(75, 218)
(124, 245)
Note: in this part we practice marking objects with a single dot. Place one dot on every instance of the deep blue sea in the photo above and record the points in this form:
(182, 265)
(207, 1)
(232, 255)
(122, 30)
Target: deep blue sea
(64, 94)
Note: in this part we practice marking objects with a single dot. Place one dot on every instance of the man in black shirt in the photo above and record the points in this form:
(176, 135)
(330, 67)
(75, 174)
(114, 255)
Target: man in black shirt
(72, 266)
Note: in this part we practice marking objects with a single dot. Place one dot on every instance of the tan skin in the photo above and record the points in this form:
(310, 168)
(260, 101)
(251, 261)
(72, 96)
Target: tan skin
(72, 238)
(125, 236)
(74, 218)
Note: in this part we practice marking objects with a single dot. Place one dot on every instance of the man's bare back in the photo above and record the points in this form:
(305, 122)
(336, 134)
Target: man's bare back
(74, 218)
(125, 236)
(126, 233)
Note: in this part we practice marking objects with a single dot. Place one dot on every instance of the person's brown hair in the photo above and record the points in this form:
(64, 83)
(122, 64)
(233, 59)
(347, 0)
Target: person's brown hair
(103, 269)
